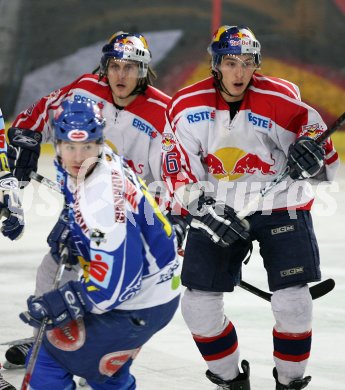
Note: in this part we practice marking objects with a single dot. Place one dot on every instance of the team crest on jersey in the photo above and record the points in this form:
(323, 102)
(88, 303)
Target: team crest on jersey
(311, 129)
(168, 142)
(97, 236)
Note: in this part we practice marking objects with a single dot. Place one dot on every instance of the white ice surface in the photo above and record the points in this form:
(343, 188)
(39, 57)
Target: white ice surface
(170, 360)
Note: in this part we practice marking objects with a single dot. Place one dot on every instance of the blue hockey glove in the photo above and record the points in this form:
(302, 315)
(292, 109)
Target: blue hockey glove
(23, 153)
(61, 237)
(305, 158)
(10, 207)
(61, 306)
(217, 221)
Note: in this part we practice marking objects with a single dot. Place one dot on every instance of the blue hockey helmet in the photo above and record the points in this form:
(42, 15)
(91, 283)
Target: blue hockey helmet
(78, 122)
(127, 46)
(233, 40)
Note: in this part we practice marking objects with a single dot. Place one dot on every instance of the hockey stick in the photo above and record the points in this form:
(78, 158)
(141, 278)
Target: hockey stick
(53, 185)
(252, 205)
(19, 341)
(316, 291)
(39, 338)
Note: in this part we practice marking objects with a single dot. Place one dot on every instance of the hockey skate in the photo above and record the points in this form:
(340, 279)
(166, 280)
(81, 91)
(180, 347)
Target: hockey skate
(241, 382)
(4, 385)
(16, 355)
(297, 384)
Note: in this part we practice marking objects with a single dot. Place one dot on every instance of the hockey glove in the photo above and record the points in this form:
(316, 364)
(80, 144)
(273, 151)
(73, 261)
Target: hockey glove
(61, 237)
(305, 158)
(180, 226)
(23, 153)
(10, 207)
(61, 306)
(218, 221)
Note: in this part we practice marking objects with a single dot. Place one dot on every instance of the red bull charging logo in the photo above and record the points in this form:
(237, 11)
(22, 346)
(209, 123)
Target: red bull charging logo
(231, 163)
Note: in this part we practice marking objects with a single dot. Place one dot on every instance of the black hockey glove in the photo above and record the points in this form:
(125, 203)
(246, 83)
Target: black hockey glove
(180, 226)
(61, 237)
(217, 221)
(305, 158)
(10, 207)
(23, 153)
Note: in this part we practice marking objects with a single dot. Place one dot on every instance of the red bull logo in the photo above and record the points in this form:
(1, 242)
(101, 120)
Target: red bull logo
(251, 163)
(239, 35)
(311, 130)
(231, 163)
(215, 165)
(168, 142)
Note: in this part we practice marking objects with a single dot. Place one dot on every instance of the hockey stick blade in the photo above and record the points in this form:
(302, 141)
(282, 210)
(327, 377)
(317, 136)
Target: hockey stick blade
(322, 288)
(316, 291)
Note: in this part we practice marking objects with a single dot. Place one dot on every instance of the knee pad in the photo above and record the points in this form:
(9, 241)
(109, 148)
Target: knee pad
(203, 312)
(292, 309)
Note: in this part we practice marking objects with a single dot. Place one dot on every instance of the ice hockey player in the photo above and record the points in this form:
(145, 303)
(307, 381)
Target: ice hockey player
(135, 117)
(227, 137)
(130, 289)
(10, 208)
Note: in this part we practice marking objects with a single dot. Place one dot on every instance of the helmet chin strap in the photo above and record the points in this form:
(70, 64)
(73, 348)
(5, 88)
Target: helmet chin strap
(218, 77)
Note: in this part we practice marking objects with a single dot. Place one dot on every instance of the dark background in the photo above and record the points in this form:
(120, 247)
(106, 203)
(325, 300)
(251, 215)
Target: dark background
(306, 32)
